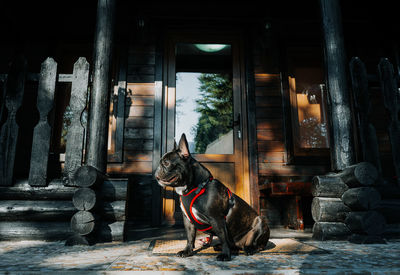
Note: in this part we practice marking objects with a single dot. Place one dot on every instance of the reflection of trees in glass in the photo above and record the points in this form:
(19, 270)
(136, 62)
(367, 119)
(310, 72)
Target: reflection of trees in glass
(215, 107)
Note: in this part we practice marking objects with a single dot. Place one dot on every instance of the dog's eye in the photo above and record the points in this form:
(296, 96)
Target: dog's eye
(166, 163)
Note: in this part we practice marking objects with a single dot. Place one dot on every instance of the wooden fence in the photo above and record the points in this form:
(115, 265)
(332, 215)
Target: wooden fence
(14, 83)
(35, 208)
(363, 105)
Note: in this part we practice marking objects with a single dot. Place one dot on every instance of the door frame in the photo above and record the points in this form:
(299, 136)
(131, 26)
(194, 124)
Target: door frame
(168, 109)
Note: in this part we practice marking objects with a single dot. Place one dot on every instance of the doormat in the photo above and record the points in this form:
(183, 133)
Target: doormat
(285, 246)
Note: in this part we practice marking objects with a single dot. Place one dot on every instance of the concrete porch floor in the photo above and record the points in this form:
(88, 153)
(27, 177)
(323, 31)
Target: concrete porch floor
(134, 256)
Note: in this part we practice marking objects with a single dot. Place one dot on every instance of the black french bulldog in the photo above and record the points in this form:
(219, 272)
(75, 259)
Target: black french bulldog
(210, 207)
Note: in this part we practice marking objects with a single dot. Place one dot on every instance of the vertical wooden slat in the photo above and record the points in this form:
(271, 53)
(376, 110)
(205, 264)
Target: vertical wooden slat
(367, 133)
(157, 134)
(42, 131)
(391, 100)
(76, 131)
(9, 132)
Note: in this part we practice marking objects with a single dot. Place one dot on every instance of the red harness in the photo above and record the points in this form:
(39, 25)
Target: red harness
(187, 202)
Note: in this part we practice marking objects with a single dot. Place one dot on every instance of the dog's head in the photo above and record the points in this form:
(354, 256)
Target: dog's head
(174, 169)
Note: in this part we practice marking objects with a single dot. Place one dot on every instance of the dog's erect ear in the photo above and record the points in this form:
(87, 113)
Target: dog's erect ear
(183, 147)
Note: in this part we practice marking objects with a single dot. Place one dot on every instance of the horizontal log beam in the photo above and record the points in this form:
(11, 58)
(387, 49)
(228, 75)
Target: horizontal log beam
(361, 198)
(36, 210)
(323, 231)
(329, 210)
(13, 210)
(328, 186)
(111, 190)
(52, 231)
(34, 230)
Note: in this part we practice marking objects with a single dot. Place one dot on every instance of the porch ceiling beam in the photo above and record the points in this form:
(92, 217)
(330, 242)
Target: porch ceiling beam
(98, 113)
(342, 144)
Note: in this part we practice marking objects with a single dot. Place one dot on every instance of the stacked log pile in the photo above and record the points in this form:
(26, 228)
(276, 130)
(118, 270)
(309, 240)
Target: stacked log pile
(100, 205)
(28, 212)
(345, 205)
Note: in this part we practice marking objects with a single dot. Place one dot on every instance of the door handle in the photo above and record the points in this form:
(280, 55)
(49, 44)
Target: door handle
(237, 122)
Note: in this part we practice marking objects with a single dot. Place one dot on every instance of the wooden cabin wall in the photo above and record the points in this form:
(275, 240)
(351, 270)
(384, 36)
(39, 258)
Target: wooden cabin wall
(139, 127)
(276, 162)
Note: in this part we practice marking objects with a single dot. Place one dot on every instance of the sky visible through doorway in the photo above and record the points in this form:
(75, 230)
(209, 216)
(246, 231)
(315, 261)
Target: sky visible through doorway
(187, 90)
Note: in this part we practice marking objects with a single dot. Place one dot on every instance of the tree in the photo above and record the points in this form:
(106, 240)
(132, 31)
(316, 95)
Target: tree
(215, 107)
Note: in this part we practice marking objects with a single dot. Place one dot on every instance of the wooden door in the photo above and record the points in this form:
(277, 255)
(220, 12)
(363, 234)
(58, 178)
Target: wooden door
(204, 99)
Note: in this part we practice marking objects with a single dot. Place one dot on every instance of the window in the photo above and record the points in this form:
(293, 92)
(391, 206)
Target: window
(308, 102)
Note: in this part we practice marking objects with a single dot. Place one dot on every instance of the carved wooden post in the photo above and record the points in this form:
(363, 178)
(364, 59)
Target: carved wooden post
(42, 132)
(76, 132)
(391, 99)
(342, 150)
(369, 141)
(98, 113)
(9, 131)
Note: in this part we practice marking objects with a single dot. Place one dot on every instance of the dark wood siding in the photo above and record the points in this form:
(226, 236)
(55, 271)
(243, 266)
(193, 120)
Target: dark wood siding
(139, 112)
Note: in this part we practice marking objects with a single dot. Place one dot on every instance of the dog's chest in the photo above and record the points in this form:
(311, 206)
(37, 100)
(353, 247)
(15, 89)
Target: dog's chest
(190, 208)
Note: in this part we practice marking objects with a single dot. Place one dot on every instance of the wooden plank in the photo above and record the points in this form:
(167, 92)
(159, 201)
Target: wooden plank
(140, 111)
(139, 133)
(262, 79)
(271, 157)
(34, 230)
(140, 167)
(270, 146)
(142, 79)
(65, 78)
(367, 133)
(269, 135)
(10, 129)
(268, 91)
(271, 169)
(145, 89)
(138, 144)
(121, 102)
(111, 190)
(28, 210)
(270, 101)
(269, 124)
(157, 143)
(140, 101)
(269, 112)
(42, 131)
(391, 100)
(139, 122)
(142, 59)
(130, 156)
(75, 134)
(140, 69)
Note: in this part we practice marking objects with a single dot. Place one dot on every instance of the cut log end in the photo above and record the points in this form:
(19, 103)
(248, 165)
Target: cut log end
(330, 231)
(87, 176)
(83, 222)
(84, 199)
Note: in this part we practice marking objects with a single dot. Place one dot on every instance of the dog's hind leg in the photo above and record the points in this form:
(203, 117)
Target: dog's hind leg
(257, 238)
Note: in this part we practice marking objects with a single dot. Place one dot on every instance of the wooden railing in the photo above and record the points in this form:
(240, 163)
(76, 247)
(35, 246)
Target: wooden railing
(13, 83)
(391, 100)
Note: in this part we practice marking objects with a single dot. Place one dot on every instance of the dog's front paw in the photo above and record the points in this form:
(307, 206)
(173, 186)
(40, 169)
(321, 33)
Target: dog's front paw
(249, 250)
(185, 253)
(223, 257)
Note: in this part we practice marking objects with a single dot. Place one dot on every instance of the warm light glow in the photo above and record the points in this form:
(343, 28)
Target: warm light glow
(210, 48)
